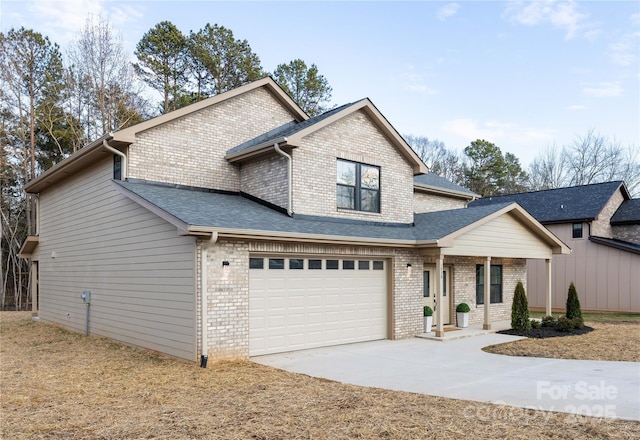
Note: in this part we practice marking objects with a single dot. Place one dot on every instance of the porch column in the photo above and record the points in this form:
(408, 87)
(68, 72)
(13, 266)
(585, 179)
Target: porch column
(487, 293)
(549, 299)
(438, 294)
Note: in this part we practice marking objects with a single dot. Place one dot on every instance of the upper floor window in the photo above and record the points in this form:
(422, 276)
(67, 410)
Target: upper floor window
(495, 291)
(117, 167)
(358, 186)
(577, 230)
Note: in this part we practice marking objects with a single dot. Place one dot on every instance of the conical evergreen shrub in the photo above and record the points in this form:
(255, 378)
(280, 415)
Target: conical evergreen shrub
(520, 309)
(573, 303)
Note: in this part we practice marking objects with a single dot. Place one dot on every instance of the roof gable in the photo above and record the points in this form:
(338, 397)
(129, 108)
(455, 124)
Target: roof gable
(562, 205)
(127, 135)
(292, 135)
(628, 213)
(97, 149)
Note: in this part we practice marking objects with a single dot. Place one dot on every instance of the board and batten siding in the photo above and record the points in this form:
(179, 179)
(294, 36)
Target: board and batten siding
(606, 279)
(140, 272)
(504, 237)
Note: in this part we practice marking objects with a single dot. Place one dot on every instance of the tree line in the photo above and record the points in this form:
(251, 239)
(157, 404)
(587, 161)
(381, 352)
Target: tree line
(486, 170)
(52, 103)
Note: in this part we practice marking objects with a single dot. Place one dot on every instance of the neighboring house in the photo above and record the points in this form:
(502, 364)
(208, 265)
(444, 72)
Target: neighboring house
(601, 225)
(239, 226)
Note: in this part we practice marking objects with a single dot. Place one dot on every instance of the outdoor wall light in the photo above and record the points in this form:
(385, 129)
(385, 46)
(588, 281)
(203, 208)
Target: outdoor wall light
(409, 269)
(225, 263)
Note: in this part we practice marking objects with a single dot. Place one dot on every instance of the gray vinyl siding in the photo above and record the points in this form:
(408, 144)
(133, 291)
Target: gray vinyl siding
(606, 279)
(140, 272)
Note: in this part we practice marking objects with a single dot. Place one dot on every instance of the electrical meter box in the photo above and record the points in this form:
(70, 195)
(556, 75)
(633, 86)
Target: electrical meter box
(86, 296)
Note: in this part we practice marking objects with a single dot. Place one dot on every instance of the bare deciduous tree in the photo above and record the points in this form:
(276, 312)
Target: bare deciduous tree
(101, 92)
(592, 158)
(441, 161)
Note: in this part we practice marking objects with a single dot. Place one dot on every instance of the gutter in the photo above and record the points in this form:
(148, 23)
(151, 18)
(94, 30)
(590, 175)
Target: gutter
(444, 191)
(234, 157)
(276, 147)
(105, 144)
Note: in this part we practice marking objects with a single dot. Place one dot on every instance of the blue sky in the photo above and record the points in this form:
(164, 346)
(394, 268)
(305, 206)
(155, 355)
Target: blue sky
(524, 75)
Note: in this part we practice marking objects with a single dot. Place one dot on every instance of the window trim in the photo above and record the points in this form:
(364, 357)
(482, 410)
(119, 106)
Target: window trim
(480, 298)
(575, 232)
(358, 188)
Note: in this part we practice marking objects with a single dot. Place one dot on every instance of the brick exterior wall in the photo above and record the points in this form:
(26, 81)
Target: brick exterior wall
(601, 226)
(357, 139)
(464, 285)
(228, 290)
(190, 150)
(630, 233)
(267, 180)
(425, 202)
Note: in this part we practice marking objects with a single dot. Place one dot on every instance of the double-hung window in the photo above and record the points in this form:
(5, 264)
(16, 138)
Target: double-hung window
(495, 294)
(358, 186)
(576, 229)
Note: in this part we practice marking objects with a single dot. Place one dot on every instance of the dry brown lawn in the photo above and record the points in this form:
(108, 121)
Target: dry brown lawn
(617, 341)
(58, 384)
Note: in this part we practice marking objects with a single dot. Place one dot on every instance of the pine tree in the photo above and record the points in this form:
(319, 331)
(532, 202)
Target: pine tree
(573, 303)
(520, 309)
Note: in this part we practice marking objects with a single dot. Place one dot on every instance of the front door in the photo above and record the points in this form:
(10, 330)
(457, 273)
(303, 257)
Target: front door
(430, 297)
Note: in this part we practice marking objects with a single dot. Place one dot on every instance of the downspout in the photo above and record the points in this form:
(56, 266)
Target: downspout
(204, 340)
(276, 147)
(106, 145)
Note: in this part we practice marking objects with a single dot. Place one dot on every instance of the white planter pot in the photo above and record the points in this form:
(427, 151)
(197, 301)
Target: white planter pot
(428, 323)
(463, 319)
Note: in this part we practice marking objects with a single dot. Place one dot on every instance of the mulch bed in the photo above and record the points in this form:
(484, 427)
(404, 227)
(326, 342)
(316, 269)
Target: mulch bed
(546, 332)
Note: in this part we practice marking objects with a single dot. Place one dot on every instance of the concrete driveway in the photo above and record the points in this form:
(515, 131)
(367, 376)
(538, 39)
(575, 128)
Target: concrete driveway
(460, 369)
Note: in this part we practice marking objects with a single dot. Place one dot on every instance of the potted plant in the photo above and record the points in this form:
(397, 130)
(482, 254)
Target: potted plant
(428, 318)
(462, 314)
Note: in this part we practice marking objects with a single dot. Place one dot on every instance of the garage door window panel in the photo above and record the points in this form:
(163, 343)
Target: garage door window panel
(276, 263)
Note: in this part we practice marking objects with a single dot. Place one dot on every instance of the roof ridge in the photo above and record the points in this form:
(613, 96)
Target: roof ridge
(619, 182)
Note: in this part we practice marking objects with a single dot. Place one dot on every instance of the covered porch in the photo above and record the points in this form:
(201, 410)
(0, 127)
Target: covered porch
(498, 243)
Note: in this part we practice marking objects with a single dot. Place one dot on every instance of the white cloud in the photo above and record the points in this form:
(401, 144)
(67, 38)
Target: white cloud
(415, 82)
(561, 15)
(635, 19)
(65, 19)
(447, 11)
(624, 52)
(500, 133)
(603, 89)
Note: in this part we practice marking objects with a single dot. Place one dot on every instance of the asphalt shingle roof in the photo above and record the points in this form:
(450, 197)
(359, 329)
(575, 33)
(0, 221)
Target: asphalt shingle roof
(562, 204)
(627, 213)
(431, 179)
(231, 211)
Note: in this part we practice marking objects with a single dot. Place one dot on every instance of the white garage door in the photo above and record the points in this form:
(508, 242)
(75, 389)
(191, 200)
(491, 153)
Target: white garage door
(298, 303)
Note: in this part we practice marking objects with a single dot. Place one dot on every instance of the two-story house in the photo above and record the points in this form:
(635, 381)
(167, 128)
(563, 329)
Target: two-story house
(601, 224)
(238, 226)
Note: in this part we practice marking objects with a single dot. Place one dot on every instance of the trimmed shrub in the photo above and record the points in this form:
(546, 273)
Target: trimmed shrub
(463, 308)
(520, 309)
(549, 321)
(564, 324)
(573, 303)
(535, 324)
(578, 323)
(427, 311)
